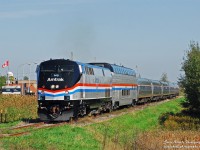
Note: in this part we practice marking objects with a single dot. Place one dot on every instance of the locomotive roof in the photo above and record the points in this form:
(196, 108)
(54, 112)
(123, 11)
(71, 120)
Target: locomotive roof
(55, 61)
(116, 68)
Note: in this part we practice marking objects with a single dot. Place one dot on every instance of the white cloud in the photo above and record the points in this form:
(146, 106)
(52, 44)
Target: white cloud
(24, 14)
(11, 10)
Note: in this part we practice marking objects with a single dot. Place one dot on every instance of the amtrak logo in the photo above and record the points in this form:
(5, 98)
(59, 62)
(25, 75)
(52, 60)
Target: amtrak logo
(55, 79)
(56, 75)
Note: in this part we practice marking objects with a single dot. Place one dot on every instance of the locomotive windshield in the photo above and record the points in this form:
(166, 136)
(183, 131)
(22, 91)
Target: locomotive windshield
(57, 68)
(58, 74)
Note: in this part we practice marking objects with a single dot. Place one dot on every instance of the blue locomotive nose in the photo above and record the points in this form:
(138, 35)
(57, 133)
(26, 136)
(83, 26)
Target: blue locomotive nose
(57, 74)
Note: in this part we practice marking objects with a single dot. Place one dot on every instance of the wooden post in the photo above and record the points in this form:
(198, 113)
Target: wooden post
(5, 120)
(6, 117)
(1, 116)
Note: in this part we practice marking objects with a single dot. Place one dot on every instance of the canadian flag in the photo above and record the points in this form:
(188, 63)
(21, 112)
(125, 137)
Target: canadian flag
(5, 64)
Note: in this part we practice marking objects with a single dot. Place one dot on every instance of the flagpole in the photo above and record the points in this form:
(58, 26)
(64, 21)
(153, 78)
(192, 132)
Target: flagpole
(7, 64)
(8, 76)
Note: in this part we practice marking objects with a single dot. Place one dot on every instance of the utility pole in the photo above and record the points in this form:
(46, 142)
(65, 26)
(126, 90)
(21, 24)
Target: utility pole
(137, 72)
(29, 78)
(71, 55)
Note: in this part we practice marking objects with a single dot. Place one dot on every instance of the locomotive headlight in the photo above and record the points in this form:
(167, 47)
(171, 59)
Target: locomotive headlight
(57, 86)
(52, 86)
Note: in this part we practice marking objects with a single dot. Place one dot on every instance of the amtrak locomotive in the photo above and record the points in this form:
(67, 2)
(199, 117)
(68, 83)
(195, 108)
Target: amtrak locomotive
(68, 89)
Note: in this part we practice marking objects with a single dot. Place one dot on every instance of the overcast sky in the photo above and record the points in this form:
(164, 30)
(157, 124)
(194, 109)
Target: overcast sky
(150, 34)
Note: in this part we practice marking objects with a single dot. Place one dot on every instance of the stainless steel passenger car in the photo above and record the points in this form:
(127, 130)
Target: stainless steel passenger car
(173, 90)
(124, 84)
(144, 90)
(154, 90)
(157, 90)
(165, 90)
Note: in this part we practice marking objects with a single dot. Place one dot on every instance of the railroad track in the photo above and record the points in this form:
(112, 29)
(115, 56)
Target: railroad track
(26, 129)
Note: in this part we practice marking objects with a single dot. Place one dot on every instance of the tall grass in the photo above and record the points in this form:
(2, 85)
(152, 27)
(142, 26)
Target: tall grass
(17, 107)
(176, 122)
(165, 139)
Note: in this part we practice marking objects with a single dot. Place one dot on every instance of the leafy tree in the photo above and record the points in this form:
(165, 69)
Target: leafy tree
(164, 77)
(2, 81)
(26, 78)
(191, 80)
(12, 79)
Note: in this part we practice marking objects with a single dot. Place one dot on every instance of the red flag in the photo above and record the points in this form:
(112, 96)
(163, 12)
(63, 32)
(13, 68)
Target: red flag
(5, 64)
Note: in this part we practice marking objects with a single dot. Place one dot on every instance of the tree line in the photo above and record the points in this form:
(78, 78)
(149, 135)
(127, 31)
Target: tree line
(12, 79)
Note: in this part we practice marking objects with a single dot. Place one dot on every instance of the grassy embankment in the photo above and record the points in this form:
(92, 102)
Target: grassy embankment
(121, 132)
(177, 131)
(118, 133)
